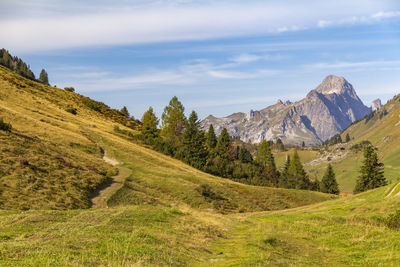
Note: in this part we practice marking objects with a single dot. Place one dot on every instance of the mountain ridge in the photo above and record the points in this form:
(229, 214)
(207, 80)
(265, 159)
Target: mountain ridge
(325, 111)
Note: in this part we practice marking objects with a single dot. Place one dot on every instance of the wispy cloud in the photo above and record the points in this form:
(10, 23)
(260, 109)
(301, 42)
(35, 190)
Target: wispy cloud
(172, 21)
(199, 71)
(355, 65)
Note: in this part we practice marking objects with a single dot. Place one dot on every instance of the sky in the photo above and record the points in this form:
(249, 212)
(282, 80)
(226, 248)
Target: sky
(217, 57)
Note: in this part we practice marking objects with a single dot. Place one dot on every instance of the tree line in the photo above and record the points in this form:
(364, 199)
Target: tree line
(19, 66)
(182, 138)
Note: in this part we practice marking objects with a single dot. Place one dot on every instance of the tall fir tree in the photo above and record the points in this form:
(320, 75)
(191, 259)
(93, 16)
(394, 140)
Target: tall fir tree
(211, 138)
(297, 177)
(328, 183)
(371, 174)
(347, 138)
(124, 111)
(223, 144)
(149, 126)
(266, 159)
(44, 77)
(173, 118)
(283, 178)
(193, 150)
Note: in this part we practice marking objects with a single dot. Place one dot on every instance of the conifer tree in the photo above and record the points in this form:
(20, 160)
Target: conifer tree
(125, 112)
(244, 155)
(266, 159)
(297, 177)
(328, 182)
(193, 150)
(211, 138)
(223, 143)
(347, 138)
(173, 118)
(43, 77)
(283, 178)
(149, 126)
(371, 175)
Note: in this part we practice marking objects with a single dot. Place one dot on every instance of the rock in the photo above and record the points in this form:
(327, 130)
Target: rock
(376, 104)
(324, 112)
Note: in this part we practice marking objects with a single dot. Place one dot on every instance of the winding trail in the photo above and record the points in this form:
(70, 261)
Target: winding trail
(100, 200)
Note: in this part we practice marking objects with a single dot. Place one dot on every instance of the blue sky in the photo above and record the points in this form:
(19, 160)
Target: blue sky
(218, 57)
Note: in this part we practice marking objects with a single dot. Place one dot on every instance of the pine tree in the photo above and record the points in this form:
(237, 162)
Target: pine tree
(347, 138)
(223, 144)
(193, 150)
(303, 144)
(173, 118)
(371, 175)
(211, 138)
(266, 159)
(124, 111)
(328, 182)
(244, 155)
(283, 178)
(43, 77)
(149, 126)
(297, 177)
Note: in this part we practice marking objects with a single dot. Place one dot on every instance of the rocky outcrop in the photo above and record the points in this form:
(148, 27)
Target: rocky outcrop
(324, 112)
(376, 104)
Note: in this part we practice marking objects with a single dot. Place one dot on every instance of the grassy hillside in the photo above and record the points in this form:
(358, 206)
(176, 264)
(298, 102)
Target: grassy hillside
(165, 212)
(348, 231)
(52, 159)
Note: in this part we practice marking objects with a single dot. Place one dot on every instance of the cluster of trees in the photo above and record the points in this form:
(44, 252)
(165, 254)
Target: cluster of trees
(337, 139)
(183, 139)
(16, 64)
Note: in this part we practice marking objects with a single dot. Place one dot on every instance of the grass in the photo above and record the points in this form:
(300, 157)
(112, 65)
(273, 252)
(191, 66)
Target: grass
(344, 232)
(142, 235)
(51, 161)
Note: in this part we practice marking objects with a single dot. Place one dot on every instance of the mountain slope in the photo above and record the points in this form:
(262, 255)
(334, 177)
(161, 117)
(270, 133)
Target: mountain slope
(326, 111)
(381, 128)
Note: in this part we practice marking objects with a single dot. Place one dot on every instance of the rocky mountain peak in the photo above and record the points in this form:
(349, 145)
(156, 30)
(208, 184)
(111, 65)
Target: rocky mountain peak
(335, 85)
(324, 112)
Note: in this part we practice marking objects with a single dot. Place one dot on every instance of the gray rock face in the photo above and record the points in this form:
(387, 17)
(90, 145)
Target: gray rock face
(326, 111)
(376, 104)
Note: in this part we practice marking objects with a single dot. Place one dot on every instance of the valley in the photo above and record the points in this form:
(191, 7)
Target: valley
(84, 190)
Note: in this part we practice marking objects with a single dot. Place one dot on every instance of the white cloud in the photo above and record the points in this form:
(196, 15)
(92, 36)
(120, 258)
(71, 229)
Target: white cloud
(176, 21)
(199, 71)
(355, 65)
(385, 15)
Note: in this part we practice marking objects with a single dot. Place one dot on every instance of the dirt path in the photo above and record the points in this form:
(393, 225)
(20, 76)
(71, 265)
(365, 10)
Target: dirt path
(100, 200)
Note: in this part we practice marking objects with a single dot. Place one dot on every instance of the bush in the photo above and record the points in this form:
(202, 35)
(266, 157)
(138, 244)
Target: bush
(393, 220)
(5, 126)
(71, 110)
(69, 89)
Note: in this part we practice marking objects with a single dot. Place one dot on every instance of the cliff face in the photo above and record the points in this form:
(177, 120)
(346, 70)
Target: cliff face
(324, 112)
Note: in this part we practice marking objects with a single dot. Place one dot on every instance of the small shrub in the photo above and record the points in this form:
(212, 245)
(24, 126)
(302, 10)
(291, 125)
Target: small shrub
(393, 220)
(69, 89)
(72, 110)
(5, 126)
(206, 191)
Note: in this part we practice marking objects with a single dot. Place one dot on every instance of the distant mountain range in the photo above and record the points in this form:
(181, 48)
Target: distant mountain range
(325, 111)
